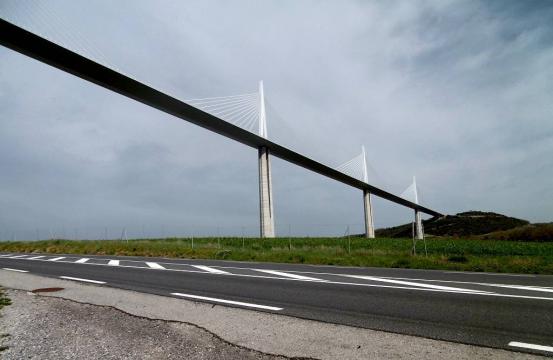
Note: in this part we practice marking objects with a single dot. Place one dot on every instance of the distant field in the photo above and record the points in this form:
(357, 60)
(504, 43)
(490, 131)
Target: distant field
(443, 253)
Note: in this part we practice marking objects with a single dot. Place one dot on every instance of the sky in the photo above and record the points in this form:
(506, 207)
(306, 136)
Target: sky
(456, 93)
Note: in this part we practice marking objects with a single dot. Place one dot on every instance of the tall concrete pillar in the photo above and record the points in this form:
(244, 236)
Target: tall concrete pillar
(418, 225)
(369, 224)
(267, 221)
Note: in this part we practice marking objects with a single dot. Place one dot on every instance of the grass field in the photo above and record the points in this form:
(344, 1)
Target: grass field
(443, 253)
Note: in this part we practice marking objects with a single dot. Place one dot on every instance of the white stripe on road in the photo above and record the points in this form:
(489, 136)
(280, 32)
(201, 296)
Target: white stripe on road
(82, 261)
(56, 259)
(154, 265)
(410, 283)
(85, 280)
(3, 255)
(210, 269)
(265, 307)
(17, 256)
(486, 273)
(521, 287)
(113, 262)
(36, 257)
(531, 346)
(291, 276)
(15, 270)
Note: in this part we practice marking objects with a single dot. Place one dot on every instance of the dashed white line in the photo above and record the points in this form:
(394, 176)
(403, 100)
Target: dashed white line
(154, 265)
(9, 269)
(18, 256)
(36, 257)
(113, 262)
(231, 302)
(56, 259)
(210, 269)
(84, 280)
(82, 261)
(531, 346)
(4, 255)
(291, 276)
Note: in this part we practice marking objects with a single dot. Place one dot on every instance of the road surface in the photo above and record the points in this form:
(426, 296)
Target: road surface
(506, 311)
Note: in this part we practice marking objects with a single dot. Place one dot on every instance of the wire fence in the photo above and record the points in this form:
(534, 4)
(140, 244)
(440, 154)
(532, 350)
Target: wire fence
(166, 232)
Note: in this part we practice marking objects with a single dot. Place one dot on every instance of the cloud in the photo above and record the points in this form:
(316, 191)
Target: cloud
(457, 93)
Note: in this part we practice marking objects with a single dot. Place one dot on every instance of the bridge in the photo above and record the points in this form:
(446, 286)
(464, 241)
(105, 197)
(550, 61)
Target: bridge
(247, 111)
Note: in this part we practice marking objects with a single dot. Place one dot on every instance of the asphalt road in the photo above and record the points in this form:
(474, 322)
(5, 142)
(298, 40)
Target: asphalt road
(513, 312)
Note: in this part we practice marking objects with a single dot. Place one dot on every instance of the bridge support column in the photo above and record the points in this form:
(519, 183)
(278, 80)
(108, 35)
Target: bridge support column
(267, 222)
(418, 225)
(369, 224)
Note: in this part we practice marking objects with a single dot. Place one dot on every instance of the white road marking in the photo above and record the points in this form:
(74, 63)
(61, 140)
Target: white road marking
(18, 256)
(291, 276)
(531, 346)
(36, 257)
(4, 255)
(84, 280)
(410, 283)
(210, 269)
(15, 270)
(82, 261)
(113, 262)
(522, 287)
(329, 281)
(257, 306)
(486, 273)
(154, 265)
(56, 259)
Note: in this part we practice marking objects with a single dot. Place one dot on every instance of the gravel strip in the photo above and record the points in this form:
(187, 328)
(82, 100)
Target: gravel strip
(50, 328)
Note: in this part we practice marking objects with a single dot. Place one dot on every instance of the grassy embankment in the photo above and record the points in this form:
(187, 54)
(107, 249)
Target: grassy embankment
(443, 253)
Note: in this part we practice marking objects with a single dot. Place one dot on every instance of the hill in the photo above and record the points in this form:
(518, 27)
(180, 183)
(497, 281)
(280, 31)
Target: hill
(470, 223)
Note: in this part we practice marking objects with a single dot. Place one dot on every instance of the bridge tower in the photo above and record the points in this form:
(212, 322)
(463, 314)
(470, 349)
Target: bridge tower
(367, 205)
(418, 219)
(266, 214)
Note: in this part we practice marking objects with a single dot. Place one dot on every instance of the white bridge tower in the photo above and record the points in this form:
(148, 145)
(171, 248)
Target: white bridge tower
(367, 205)
(266, 214)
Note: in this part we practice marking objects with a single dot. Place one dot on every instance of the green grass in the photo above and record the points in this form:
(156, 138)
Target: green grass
(443, 253)
(3, 299)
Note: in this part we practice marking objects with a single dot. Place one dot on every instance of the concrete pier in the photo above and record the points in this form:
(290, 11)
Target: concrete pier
(419, 233)
(267, 222)
(369, 224)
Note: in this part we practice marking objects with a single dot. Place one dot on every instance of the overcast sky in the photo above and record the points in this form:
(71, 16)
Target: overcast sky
(458, 93)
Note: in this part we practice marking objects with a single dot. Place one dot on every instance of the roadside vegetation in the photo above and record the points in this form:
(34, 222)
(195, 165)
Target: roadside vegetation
(4, 301)
(448, 253)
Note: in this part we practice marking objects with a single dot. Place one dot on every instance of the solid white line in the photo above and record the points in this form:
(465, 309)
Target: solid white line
(15, 270)
(486, 273)
(210, 269)
(522, 287)
(56, 259)
(154, 265)
(410, 283)
(288, 275)
(17, 256)
(36, 257)
(228, 302)
(113, 262)
(82, 261)
(85, 280)
(531, 346)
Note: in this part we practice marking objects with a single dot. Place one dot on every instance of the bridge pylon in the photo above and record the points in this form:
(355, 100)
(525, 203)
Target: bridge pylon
(266, 214)
(418, 219)
(367, 204)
